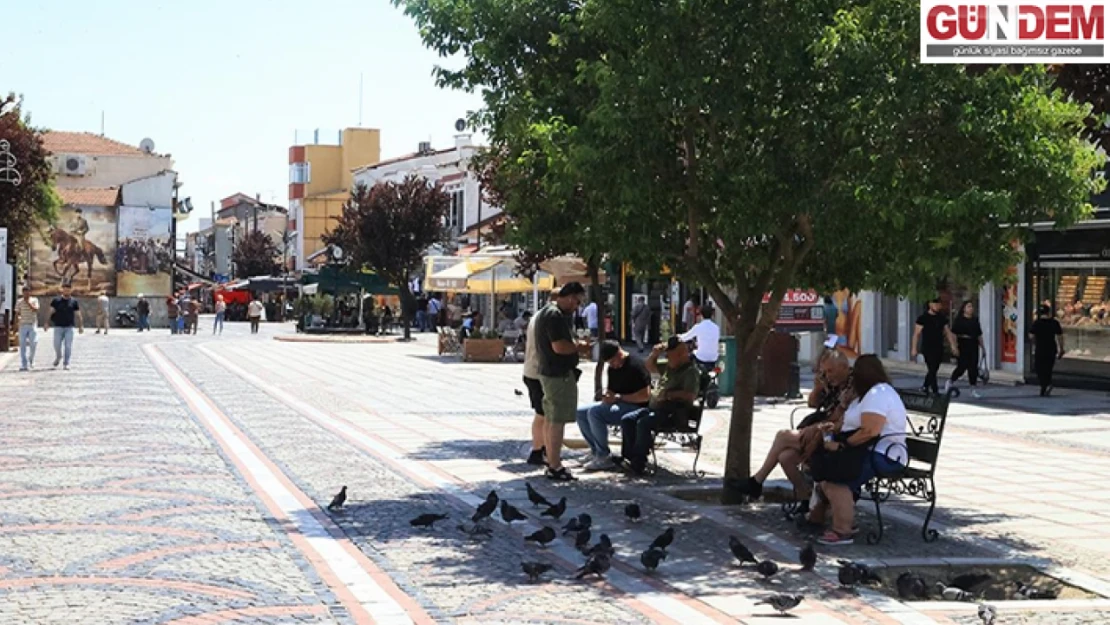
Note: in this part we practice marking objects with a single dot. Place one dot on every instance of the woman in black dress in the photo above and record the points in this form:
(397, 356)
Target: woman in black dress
(1048, 346)
(969, 339)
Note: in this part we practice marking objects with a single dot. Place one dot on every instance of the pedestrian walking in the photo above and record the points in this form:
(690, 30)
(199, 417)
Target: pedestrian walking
(172, 312)
(969, 339)
(254, 313)
(103, 304)
(1048, 347)
(192, 316)
(690, 313)
(930, 332)
(182, 310)
(434, 308)
(591, 315)
(558, 354)
(67, 314)
(641, 320)
(221, 312)
(422, 313)
(27, 308)
(143, 308)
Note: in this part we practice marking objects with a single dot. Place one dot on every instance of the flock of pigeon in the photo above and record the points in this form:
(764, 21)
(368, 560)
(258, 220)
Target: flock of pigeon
(910, 586)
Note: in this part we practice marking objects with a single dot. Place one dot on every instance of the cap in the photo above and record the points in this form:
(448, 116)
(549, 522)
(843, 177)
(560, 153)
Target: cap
(571, 288)
(673, 343)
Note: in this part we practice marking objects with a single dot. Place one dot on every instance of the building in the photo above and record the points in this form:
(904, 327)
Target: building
(86, 160)
(320, 182)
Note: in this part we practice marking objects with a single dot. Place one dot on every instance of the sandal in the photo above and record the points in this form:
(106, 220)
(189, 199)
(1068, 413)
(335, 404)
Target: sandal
(831, 538)
(559, 475)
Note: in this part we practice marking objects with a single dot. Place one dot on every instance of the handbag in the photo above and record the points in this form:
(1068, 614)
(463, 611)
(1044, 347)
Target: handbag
(815, 417)
(842, 466)
(984, 370)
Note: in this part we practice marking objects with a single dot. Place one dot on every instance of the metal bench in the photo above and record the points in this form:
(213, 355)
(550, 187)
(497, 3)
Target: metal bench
(683, 430)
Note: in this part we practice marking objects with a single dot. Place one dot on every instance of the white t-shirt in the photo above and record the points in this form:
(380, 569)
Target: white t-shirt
(531, 354)
(884, 400)
(708, 336)
(103, 301)
(591, 315)
(254, 309)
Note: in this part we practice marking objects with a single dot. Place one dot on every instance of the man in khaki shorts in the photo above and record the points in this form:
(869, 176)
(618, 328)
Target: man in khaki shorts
(558, 355)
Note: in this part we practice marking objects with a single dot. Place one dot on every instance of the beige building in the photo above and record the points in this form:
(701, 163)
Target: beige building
(85, 160)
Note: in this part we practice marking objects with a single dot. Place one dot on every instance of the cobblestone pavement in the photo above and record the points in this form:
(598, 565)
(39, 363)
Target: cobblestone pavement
(164, 479)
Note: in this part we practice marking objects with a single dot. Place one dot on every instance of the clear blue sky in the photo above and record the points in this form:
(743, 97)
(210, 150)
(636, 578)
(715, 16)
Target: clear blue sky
(224, 85)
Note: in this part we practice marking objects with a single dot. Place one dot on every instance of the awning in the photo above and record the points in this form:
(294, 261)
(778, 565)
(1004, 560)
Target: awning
(335, 280)
(483, 276)
(570, 269)
(456, 277)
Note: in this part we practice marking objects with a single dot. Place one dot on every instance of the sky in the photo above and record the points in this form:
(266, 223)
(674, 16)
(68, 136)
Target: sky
(224, 86)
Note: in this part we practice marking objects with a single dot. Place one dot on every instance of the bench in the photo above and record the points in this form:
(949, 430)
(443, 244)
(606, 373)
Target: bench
(683, 430)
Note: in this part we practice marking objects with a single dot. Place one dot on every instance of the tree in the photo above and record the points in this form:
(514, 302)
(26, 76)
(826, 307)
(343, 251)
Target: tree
(757, 147)
(256, 255)
(388, 228)
(27, 195)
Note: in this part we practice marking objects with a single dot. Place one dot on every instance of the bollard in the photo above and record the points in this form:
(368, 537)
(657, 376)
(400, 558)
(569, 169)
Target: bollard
(794, 384)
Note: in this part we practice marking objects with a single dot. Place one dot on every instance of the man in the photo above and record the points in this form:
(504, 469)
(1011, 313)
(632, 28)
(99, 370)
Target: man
(535, 388)
(422, 313)
(143, 308)
(27, 308)
(171, 312)
(192, 315)
(689, 313)
(675, 393)
(931, 330)
(558, 355)
(1048, 345)
(254, 313)
(707, 335)
(103, 304)
(433, 312)
(590, 313)
(641, 319)
(628, 389)
(523, 321)
(67, 313)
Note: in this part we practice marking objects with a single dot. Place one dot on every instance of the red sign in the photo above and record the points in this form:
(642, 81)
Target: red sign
(796, 297)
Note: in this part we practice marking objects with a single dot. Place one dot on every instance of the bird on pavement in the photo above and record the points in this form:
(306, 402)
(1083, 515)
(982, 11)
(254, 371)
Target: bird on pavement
(556, 510)
(987, 613)
(595, 565)
(1025, 591)
(339, 499)
(542, 536)
(852, 573)
(808, 557)
(518, 392)
(768, 569)
(604, 545)
(632, 511)
(578, 523)
(534, 570)
(651, 558)
(911, 586)
(782, 603)
(742, 553)
(582, 539)
(427, 520)
(534, 496)
(509, 512)
(950, 593)
(486, 508)
(969, 581)
(477, 530)
(663, 540)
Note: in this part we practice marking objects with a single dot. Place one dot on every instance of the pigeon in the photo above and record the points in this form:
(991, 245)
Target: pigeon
(578, 523)
(911, 586)
(477, 530)
(486, 508)
(781, 603)
(542, 536)
(536, 498)
(742, 553)
(582, 539)
(427, 520)
(509, 513)
(518, 392)
(663, 540)
(651, 558)
(808, 557)
(604, 545)
(595, 565)
(852, 573)
(534, 570)
(1025, 591)
(556, 510)
(950, 593)
(987, 614)
(767, 569)
(969, 581)
(339, 499)
(632, 511)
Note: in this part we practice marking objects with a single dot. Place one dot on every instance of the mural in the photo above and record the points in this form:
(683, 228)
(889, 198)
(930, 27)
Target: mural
(1010, 315)
(849, 318)
(79, 249)
(144, 257)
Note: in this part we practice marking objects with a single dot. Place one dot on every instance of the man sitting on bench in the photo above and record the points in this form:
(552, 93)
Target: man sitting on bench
(675, 394)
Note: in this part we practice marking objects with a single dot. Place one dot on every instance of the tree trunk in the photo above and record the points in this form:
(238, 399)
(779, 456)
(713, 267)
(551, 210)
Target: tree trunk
(594, 273)
(738, 460)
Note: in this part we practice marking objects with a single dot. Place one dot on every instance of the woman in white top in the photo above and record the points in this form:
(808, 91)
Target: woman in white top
(878, 414)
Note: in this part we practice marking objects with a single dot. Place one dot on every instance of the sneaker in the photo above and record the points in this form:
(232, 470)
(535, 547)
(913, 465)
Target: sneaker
(976, 394)
(832, 539)
(559, 475)
(598, 464)
(584, 460)
(754, 488)
(65, 367)
(536, 457)
(1048, 391)
(947, 386)
(56, 363)
(23, 368)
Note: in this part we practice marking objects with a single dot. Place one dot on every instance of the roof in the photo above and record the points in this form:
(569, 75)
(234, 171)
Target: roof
(94, 196)
(400, 159)
(86, 143)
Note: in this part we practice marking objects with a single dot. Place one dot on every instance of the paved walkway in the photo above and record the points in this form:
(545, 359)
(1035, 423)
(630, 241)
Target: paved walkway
(182, 479)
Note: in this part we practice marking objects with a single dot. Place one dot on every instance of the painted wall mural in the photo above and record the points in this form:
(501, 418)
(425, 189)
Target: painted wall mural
(144, 256)
(79, 249)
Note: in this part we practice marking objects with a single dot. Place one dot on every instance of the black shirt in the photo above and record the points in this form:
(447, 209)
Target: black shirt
(932, 331)
(1044, 333)
(967, 330)
(64, 312)
(552, 325)
(143, 306)
(630, 377)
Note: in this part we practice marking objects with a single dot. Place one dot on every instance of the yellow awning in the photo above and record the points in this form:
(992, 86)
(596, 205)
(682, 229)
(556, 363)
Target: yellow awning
(456, 277)
(483, 276)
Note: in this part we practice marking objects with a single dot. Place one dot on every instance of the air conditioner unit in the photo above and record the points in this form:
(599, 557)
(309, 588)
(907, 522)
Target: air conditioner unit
(73, 165)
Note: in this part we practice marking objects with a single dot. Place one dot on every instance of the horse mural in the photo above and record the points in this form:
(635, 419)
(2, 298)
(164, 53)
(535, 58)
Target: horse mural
(71, 253)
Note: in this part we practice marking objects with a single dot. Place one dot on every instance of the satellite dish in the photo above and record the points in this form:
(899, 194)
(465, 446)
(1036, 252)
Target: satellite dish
(460, 124)
(337, 252)
(147, 145)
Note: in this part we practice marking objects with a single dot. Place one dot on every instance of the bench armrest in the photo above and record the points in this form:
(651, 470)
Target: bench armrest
(794, 412)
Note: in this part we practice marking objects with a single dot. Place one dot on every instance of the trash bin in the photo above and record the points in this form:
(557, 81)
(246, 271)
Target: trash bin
(780, 354)
(727, 360)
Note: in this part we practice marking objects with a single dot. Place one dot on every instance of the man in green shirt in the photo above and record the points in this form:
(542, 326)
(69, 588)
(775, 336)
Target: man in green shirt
(676, 391)
(558, 360)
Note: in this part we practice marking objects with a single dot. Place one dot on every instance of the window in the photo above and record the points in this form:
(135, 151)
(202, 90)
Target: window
(300, 173)
(1078, 293)
(457, 211)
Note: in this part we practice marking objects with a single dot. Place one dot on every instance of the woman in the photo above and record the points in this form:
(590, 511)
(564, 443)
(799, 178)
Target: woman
(872, 439)
(221, 312)
(1048, 345)
(969, 339)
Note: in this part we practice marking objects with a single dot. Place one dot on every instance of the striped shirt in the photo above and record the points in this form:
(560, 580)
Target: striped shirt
(27, 316)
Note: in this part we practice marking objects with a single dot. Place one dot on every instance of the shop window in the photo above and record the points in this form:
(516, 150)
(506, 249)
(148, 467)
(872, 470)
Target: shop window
(1079, 296)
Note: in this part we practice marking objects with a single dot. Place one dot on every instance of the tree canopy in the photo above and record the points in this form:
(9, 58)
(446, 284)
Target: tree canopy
(256, 254)
(27, 194)
(757, 147)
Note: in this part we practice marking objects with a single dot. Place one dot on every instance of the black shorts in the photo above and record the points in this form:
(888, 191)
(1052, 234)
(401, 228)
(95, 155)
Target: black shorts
(535, 394)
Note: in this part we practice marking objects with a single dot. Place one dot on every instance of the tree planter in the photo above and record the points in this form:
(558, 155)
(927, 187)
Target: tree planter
(483, 350)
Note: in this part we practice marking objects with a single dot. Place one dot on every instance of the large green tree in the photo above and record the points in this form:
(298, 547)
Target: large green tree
(256, 254)
(27, 195)
(756, 147)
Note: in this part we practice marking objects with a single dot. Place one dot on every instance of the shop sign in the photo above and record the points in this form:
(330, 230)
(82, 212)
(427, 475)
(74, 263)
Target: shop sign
(1010, 317)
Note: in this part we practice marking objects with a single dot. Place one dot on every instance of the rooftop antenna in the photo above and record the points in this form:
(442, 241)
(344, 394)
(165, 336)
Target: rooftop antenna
(101, 122)
(360, 99)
